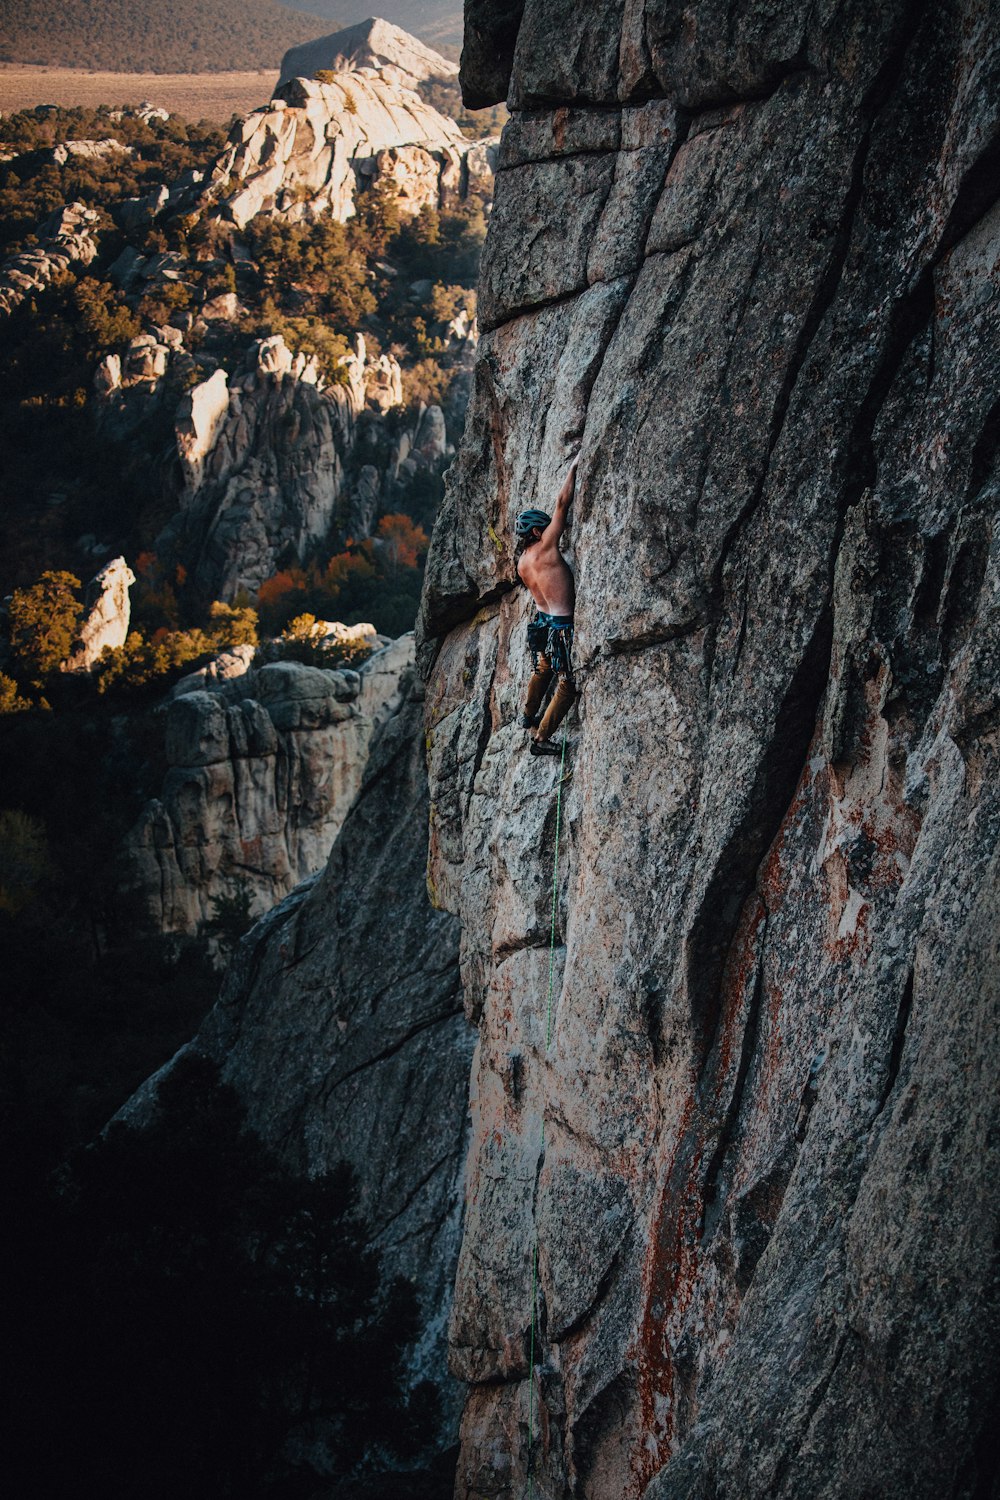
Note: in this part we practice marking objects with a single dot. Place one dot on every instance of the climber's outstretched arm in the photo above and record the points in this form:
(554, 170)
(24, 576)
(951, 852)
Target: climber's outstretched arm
(560, 514)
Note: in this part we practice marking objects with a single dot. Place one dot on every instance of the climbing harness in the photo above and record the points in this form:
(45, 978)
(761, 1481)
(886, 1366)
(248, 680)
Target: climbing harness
(548, 1039)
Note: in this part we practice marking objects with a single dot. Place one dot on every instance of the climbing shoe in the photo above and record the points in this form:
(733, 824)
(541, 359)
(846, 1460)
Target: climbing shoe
(530, 721)
(544, 747)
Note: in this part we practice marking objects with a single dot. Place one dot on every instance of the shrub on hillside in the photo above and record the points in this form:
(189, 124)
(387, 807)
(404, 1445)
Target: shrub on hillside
(153, 662)
(321, 263)
(42, 622)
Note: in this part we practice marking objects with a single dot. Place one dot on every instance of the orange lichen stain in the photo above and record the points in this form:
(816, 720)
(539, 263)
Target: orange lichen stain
(559, 122)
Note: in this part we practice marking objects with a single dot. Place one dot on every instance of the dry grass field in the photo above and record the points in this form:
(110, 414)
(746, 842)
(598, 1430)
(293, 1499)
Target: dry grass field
(196, 96)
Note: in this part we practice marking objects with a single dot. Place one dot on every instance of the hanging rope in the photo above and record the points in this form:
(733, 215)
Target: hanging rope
(548, 1039)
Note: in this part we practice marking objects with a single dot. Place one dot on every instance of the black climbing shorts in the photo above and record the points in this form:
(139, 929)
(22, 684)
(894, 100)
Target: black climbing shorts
(551, 636)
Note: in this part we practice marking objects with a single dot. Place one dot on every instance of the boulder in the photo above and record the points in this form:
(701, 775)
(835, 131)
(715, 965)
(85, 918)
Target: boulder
(88, 151)
(65, 241)
(134, 213)
(224, 308)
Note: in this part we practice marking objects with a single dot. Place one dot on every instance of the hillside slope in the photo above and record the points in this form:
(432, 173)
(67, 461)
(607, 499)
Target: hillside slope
(187, 36)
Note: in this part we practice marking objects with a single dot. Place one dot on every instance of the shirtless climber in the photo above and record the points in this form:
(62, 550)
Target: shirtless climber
(547, 576)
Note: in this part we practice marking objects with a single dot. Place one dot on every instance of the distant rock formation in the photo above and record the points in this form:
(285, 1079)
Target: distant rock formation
(105, 621)
(274, 461)
(65, 240)
(88, 151)
(399, 57)
(264, 764)
(305, 154)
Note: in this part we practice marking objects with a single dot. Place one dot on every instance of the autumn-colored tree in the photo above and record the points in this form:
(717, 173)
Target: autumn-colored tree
(11, 701)
(302, 628)
(274, 589)
(42, 623)
(346, 567)
(233, 625)
(142, 662)
(403, 541)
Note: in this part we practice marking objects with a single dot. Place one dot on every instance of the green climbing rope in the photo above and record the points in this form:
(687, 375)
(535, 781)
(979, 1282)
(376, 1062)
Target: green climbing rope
(548, 1039)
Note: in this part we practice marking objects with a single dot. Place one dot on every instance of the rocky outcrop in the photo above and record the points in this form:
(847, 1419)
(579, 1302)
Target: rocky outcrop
(305, 154)
(748, 256)
(65, 241)
(340, 1023)
(264, 474)
(264, 764)
(87, 151)
(400, 58)
(106, 614)
(275, 461)
(198, 423)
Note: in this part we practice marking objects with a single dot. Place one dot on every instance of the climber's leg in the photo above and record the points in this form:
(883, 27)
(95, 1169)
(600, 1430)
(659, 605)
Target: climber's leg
(537, 688)
(559, 706)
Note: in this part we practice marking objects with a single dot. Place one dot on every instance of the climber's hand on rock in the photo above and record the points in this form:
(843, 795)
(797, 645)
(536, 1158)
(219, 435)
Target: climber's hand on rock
(569, 483)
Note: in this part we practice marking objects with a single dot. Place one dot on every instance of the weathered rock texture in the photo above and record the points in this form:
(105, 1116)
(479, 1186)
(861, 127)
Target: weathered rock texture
(340, 1023)
(400, 57)
(748, 255)
(264, 765)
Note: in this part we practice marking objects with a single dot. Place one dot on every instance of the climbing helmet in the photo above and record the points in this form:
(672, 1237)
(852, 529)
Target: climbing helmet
(528, 520)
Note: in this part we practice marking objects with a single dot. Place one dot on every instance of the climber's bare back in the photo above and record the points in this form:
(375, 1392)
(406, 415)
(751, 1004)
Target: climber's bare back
(547, 576)
(542, 568)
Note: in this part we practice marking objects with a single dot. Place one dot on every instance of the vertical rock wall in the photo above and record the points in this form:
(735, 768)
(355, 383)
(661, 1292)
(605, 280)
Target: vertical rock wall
(747, 254)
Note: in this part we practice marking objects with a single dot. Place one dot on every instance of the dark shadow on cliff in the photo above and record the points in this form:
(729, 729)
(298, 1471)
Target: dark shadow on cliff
(192, 1318)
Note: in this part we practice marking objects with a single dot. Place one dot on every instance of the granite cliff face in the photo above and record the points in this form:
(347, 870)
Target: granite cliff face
(748, 257)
